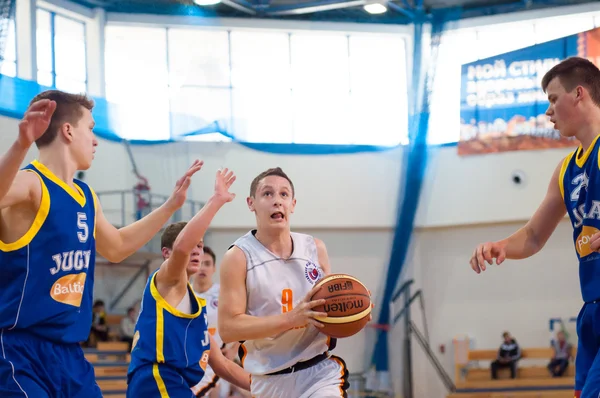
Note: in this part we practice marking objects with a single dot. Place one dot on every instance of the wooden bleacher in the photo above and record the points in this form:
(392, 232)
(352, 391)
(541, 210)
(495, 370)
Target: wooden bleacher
(110, 360)
(533, 379)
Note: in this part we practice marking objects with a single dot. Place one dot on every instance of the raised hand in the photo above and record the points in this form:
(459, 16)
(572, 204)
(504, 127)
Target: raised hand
(486, 252)
(35, 122)
(179, 194)
(223, 182)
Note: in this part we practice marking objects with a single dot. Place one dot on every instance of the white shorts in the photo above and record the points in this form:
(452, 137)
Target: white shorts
(209, 381)
(327, 379)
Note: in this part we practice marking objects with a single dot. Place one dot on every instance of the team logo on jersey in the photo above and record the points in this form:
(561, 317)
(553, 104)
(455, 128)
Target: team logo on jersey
(582, 244)
(69, 289)
(204, 359)
(214, 302)
(312, 272)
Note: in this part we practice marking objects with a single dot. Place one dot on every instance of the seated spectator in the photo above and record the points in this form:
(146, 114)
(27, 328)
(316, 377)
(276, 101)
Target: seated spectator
(508, 355)
(128, 326)
(99, 331)
(562, 354)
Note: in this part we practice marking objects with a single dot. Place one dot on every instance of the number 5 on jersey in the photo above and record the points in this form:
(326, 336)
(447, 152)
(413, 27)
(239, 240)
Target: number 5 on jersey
(83, 230)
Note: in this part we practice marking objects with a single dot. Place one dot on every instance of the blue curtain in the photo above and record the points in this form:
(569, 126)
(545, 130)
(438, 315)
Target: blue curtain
(15, 95)
(414, 166)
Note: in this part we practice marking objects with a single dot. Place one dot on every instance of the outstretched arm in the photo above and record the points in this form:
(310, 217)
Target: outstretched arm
(529, 239)
(192, 233)
(226, 369)
(532, 237)
(117, 244)
(235, 324)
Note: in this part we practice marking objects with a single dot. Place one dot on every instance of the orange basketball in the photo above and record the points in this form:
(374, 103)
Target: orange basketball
(348, 305)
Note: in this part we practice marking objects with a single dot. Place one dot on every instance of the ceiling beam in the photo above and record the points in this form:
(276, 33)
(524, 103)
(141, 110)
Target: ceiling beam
(316, 6)
(401, 10)
(241, 5)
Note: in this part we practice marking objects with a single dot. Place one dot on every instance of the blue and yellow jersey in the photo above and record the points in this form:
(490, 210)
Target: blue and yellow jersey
(165, 336)
(579, 184)
(48, 274)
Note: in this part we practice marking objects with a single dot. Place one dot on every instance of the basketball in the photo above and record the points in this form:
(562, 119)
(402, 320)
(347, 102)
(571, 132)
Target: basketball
(348, 305)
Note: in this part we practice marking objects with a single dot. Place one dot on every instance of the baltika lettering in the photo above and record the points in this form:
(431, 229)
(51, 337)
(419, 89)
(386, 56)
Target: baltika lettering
(72, 260)
(204, 359)
(69, 289)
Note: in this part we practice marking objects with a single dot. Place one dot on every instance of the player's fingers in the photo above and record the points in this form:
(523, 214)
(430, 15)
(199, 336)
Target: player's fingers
(50, 108)
(595, 242)
(315, 323)
(480, 259)
(487, 253)
(195, 168)
(35, 115)
(314, 303)
(313, 291)
(40, 105)
(185, 184)
(231, 181)
(474, 263)
(501, 257)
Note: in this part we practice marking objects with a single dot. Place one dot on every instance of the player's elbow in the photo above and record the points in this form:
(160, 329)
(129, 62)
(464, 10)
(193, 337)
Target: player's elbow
(113, 255)
(227, 336)
(227, 330)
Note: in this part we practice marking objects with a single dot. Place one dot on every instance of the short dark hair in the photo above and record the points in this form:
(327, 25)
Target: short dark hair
(68, 110)
(276, 171)
(171, 233)
(573, 72)
(98, 303)
(211, 253)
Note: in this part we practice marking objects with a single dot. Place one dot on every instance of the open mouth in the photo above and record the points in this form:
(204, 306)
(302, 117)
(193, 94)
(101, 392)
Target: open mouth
(277, 216)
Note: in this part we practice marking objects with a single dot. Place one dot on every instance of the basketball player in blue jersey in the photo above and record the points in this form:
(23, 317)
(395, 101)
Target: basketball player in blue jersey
(573, 88)
(171, 345)
(51, 226)
(267, 279)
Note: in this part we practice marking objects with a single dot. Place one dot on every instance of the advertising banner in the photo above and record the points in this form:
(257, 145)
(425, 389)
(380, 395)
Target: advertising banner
(503, 105)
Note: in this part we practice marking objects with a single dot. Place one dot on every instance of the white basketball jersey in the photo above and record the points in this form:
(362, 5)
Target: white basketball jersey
(275, 286)
(212, 301)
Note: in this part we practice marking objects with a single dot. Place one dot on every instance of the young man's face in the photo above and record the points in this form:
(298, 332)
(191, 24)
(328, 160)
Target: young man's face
(207, 267)
(563, 110)
(83, 141)
(273, 202)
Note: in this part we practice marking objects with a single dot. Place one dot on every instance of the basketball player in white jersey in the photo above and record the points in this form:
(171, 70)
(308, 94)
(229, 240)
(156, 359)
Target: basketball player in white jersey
(267, 279)
(204, 287)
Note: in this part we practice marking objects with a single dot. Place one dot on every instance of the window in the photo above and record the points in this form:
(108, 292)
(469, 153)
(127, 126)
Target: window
(137, 82)
(378, 112)
(199, 81)
(260, 74)
(8, 66)
(61, 52)
(262, 86)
